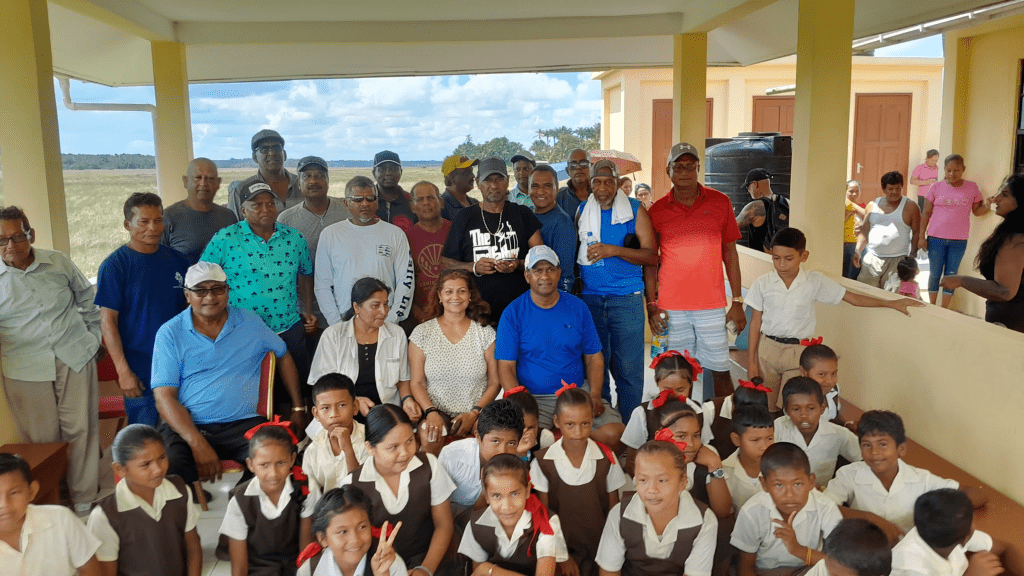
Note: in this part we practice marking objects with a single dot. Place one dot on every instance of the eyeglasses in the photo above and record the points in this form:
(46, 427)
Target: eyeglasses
(575, 165)
(219, 290)
(686, 167)
(362, 198)
(276, 148)
(17, 239)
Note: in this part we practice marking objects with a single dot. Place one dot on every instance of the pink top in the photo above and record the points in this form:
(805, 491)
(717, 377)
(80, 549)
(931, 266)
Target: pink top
(910, 289)
(925, 172)
(951, 212)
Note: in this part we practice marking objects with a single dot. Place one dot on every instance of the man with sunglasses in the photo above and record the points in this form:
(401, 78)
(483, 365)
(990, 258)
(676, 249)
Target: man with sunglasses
(268, 152)
(578, 188)
(206, 371)
(364, 245)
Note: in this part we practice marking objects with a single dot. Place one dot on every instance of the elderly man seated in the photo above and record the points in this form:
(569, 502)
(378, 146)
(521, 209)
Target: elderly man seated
(206, 370)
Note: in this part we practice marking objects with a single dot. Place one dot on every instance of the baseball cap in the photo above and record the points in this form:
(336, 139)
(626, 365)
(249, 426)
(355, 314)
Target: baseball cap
(202, 271)
(386, 156)
(456, 162)
(604, 165)
(680, 149)
(308, 161)
(491, 165)
(539, 254)
(254, 189)
(265, 135)
(755, 175)
(523, 156)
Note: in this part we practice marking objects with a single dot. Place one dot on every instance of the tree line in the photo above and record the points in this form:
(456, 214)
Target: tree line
(552, 145)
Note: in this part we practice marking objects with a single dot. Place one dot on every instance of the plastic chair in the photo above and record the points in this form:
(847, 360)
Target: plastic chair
(111, 406)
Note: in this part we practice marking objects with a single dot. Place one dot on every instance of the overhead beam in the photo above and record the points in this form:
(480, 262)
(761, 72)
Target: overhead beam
(706, 16)
(131, 17)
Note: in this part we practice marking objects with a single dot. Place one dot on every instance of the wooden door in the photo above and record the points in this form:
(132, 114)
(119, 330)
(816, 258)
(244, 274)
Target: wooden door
(774, 114)
(881, 140)
(661, 141)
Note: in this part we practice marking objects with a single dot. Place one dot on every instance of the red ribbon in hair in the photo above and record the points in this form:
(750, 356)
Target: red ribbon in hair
(512, 391)
(376, 532)
(275, 422)
(695, 368)
(665, 396)
(666, 354)
(607, 452)
(759, 387)
(308, 552)
(539, 515)
(811, 341)
(565, 386)
(666, 435)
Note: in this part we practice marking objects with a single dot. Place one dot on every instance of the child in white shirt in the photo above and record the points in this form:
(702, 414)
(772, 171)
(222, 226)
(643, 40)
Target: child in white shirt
(340, 446)
(804, 425)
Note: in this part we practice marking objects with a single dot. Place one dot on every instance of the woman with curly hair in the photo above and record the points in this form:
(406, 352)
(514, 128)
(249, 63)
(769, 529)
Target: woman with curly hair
(451, 359)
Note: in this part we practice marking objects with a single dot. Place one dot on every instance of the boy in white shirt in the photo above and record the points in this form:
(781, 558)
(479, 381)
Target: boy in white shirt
(855, 547)
(340, 445)
(753, 432)
(805, 426)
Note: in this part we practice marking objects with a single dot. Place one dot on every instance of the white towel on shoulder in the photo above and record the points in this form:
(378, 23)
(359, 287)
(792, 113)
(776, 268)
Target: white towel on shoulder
(590, 222)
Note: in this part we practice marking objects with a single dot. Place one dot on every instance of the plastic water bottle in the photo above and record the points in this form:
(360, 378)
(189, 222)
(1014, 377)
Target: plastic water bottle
(591, 240)
(659, 342)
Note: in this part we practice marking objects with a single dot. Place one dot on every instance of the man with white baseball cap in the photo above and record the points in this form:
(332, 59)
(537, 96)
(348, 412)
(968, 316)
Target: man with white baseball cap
(206, 371)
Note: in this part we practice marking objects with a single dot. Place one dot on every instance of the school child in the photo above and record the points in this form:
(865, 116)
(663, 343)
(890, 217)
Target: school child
(805, 426)
(515, 534)
(534, 438)
(405, 486)
(148, 525)
(855, 547)
(674, 373)
(340, 445)
(943, 533)
(48, 540)
(498, 431)
(883, 488)
(906, 270)
(783, 303)
(660, 530)
(783, 527)
(753, 432)
(347, 543)
(821, 364)
(265, 518)
(718, 414)
(706, 477)
(578, 478)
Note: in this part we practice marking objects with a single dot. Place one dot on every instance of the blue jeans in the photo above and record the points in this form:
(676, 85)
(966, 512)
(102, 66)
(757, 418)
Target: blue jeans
(620, 325)
(295, 339)
(142, 410)
(849, 270)
(943, 260)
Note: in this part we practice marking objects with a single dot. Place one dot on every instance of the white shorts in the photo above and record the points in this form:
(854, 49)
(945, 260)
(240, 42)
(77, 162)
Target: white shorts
(702, 332)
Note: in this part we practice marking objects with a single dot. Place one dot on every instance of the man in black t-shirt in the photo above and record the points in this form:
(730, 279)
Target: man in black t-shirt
(491, 239)
(394, 205)
(766, 215)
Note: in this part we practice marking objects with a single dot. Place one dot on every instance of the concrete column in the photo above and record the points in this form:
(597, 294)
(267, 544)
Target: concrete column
(32, 175)
(956, 75)
(821, 127)
(689, 92)
(173, 126)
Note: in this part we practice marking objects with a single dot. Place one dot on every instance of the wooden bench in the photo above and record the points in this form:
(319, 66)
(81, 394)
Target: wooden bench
(49, 463)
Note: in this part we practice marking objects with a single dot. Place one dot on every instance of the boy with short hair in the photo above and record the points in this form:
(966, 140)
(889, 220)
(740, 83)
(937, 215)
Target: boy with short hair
(855, 547)
(883, 488)
(753, 432)
(340, 444)
(804, 425)
(783, 310)
(942, 535)
(783, 527)
(35, 539)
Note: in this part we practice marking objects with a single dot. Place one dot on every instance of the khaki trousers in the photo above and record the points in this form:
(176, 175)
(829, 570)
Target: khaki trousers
(779, 362)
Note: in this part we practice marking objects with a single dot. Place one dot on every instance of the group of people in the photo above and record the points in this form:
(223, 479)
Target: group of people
(475, 373)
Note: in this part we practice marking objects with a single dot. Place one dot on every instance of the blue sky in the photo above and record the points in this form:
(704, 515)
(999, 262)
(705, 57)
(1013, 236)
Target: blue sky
(421, 118)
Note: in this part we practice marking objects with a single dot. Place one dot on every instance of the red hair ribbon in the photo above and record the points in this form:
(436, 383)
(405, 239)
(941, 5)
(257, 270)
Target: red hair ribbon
(666, 354)
(376, 532)
(666, 435)
(695, 368)
(300, 477)
(512, 391)
(308, 552)
(811, 341)
(565, 386)
(694, 365)
(665, 396)
(758, 387)
(275, 422)
(539, 516)
(607, 452)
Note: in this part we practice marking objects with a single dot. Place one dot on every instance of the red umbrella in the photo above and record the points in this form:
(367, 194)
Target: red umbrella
(626, 162)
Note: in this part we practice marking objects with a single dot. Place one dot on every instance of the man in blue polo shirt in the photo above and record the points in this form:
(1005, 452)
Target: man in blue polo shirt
(205, 377)
(546, 336)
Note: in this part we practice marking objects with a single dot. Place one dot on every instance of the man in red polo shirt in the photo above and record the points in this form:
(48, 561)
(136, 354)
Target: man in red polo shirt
(697, 233)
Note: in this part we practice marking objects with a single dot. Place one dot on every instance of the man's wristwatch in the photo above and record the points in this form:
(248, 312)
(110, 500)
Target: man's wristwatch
(717, 474)
(737, 299)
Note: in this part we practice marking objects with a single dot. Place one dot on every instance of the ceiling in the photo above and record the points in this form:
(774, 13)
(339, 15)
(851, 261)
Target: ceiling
(108, 41)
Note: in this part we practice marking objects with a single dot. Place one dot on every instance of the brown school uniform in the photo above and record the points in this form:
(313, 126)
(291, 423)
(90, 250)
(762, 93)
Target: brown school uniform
(147, 546)
(523, 561)
(273, 544)
(721, 428)
(367, 571)
(638, 563)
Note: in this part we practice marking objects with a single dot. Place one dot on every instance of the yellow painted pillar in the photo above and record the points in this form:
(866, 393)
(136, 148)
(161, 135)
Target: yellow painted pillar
(173, 127)
(956, 77)
(821, 127)
(32, 174)
(689, 92)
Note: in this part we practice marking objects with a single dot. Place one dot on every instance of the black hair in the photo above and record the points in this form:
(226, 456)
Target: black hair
(816, 353)
(744, 396)
(801, 385)
(673, 365)
(140, 199)
(546, 168)
(746, 417)
(572, 397)
(14, 464)
(930, 153)
(271, 434)
(953, 158)
(360, 182)
(333, 381)
(790, 238)
(15, 213)
(506, 464)
(860, 546)
(500, 415)
(1012, 225)
(943, 517)
(673, 410)
(655, 447)
(338, 501)
(877, 422)
(906, 269)
(363, 290)
(893, 178)
(381, 420)
(131, 439)
(784, 456)
(526, 402)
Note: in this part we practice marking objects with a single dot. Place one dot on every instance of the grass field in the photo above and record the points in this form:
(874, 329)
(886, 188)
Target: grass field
(95, 199)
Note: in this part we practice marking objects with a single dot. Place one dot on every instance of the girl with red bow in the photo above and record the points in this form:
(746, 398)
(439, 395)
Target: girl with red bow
(703, 465)
(718, 414)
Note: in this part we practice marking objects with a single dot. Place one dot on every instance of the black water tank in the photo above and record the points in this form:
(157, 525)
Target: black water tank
(727, 161)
